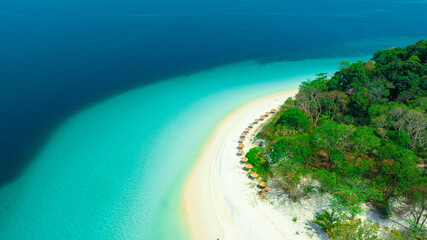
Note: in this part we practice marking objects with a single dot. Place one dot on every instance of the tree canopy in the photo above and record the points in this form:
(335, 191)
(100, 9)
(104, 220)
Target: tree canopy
(294, 118)
(362, 133)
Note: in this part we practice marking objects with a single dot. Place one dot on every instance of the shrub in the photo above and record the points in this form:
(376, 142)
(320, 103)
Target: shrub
(416, 231)
(289, 102)
(351, 193)
(287, 177)
(294, 118)
(327, 179)
(292, 146)
(356, 230)
(256, 159)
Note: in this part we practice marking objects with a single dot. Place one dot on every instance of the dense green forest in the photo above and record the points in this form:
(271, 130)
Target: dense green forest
(360, 136)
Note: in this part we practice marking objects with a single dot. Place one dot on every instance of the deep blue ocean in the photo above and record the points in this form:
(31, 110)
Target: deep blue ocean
(61, 57)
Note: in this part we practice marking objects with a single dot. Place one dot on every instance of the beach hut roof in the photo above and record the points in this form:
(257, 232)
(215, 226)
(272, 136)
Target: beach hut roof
(245, 159)
(248, 165)
(254, 175)
(263, 184)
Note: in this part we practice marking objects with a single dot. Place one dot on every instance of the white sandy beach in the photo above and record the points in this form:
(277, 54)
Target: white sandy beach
(219, 199)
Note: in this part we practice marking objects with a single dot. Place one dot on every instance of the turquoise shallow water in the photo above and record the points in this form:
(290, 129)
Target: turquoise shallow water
(117, 169)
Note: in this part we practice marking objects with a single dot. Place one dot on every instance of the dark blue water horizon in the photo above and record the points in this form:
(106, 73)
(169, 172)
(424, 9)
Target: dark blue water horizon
(60, 58)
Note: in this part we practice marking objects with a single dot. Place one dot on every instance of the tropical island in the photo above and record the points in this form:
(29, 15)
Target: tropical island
(359, 138)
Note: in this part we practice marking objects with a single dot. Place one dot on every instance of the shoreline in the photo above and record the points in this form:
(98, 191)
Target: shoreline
(216, 200)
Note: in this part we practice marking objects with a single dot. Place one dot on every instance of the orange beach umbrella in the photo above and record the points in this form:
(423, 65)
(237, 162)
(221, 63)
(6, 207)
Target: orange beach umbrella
(241, 145)
(248, 166)
(241, 139)
(243, 134)
(262, 184)
(241, 152)
(245, 159)
(254, 175)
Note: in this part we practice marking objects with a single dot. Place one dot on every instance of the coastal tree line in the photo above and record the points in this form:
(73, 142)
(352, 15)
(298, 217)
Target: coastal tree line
(361, 135)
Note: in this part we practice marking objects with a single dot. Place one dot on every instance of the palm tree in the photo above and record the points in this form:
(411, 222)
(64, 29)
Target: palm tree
(326, 220)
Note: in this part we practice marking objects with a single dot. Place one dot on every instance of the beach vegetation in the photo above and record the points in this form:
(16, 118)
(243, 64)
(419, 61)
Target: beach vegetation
(292, 146)
(294, 118)
(287, 176)
(360, 134)
(326, 219)
(357, 230)
(256, 158)
(418, 202)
